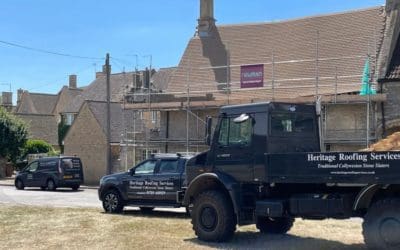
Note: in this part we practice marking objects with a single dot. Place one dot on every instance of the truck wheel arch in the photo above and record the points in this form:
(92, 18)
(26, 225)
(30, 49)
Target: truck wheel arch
(212, 181)
(371, 193)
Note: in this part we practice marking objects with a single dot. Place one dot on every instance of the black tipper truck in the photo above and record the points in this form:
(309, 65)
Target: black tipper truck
(265, 167)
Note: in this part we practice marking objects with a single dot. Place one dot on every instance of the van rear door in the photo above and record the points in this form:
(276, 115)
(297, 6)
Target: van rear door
(71, 169)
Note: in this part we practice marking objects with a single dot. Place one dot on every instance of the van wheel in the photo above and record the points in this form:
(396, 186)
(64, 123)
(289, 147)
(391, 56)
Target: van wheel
(146, 209)
(213, 217)
(381, 226)
(279, 225)
(19, 184)
(42, 188)
(112, 202)
(51, 186)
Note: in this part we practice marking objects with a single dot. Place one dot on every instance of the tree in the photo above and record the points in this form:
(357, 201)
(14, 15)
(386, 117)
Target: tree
(37, 147)
(13, 134)
(62, 132)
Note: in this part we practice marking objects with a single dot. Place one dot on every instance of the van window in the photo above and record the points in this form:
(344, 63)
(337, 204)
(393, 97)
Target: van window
(70, 163)
(168, 166)
(32, 167)
(146, 168)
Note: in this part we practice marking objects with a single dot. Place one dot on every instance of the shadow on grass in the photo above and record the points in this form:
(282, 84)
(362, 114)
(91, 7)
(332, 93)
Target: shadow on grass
(255, 240)
(155, 214)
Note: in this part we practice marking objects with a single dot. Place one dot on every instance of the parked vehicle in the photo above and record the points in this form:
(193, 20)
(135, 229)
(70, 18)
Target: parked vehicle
(265, 167)
(51, 173)
(155, 182)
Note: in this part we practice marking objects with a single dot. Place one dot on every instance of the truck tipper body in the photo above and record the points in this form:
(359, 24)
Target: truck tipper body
(265, 167)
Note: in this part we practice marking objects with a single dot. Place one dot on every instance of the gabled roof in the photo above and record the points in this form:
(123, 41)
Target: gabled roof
(121, 120)
(288, 50)
(120, 83)
(65, 97)
(36, 103)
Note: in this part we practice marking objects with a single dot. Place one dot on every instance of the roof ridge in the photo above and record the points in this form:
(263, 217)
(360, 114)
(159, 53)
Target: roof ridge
(302, 18)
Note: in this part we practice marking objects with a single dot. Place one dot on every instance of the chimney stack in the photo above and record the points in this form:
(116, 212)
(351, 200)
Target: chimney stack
(206, 21)
(72, 82)
(19, 95)
(6, 98)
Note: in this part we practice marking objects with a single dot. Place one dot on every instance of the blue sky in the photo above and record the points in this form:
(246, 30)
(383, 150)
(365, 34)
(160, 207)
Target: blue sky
(124, 28)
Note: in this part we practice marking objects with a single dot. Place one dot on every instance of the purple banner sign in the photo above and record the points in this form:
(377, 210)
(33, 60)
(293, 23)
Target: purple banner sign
(252, 76)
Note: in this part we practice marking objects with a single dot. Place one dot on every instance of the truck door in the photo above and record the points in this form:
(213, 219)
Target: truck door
(168, 179)
(234, 149)
(138, 184)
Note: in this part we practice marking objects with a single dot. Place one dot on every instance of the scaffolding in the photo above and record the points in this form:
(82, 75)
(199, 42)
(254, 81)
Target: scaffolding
(340, 86)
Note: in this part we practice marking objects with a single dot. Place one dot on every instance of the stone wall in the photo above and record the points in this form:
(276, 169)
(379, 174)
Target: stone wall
(86, 140)
(391, 107)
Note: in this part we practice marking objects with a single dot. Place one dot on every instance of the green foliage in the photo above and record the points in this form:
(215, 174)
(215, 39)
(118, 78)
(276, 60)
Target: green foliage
(37, 147)
(13, 134)
(62, 132)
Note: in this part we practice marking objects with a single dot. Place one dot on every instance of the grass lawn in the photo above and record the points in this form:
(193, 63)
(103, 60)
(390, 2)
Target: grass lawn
(25, 227)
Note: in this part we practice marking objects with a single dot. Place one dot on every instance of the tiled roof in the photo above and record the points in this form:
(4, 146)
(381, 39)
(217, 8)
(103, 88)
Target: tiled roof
(120, 83)
(36, 103)
(162, 77)
(121, 120)
(343, 41)
(65, 97)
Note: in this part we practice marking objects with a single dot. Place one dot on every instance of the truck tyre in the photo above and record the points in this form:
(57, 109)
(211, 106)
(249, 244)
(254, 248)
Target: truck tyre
(381, 226)
(279, 225)
(112, 202)
(213, 218)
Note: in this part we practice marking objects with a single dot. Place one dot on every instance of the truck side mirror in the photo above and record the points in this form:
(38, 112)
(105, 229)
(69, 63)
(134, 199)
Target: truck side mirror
(208, 130)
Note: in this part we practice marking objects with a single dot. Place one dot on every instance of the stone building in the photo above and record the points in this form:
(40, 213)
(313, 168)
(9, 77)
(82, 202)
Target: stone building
(87, 138)
(41, 111)
(300, 61)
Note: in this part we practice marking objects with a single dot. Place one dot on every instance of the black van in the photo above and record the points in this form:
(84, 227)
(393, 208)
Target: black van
(50, 173)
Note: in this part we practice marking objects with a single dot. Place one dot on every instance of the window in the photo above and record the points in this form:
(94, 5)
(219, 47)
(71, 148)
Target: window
(69, 119)
(154, 116)
(232, 133)
(71, 163)
(293, 123)
(146, 168)
(168, 166)
(32, 167)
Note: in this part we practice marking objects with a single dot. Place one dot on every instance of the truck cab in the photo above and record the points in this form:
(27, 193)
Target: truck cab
(265, 167)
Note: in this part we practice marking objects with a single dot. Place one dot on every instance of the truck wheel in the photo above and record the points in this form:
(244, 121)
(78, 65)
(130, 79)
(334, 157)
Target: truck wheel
(213, 218)
(279, 225)
(381, 226)
(19, 184)
(146, 210)
(112, 202)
